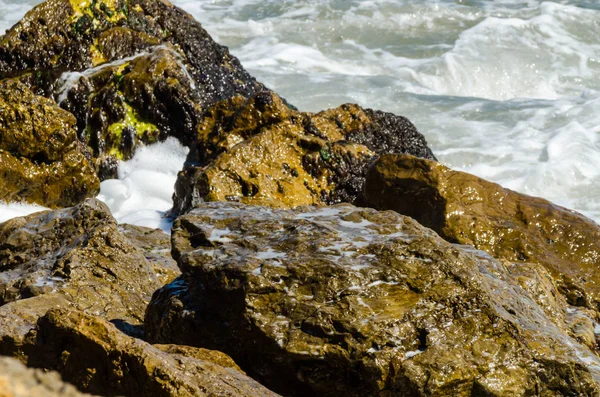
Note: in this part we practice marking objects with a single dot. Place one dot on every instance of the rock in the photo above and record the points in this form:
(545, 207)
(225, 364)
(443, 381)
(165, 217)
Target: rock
(259, 151)
(465, 209)
(16, 380)
(138, 100)
(70, 258)
(41, 160)
(95, 356)
(131, 71)
(156, 248)
(341, 300)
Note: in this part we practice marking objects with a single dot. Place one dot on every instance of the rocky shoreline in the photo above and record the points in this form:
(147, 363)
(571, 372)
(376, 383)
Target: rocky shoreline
(312, 254)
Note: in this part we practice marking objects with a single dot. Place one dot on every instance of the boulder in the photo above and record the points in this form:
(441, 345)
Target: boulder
(41, 160)
(94, 355)
(16, 380)
(465, 209)
(340, 300)
(259, 151)
(70, 258)
(131, 71)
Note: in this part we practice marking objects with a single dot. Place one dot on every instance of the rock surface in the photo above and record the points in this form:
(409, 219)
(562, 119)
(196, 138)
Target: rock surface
(70, 258)
(155, 245)
(41, 160)
(466, 209)
(94, 355)
(131, 71)
(16, 380)
(259, 151)
(347, 301)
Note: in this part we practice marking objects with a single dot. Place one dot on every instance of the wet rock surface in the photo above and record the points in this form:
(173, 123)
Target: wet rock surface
(94, 355)
(131, 71)
(348, 301)
(259, 151)
(78, 254)
(466, 209)
(155, 245)
(16, 380)
(41, 160)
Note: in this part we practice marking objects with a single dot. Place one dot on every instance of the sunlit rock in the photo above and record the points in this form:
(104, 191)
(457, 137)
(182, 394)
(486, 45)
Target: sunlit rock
(348, 301)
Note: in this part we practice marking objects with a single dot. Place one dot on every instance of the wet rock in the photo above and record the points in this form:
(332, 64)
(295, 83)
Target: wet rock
(41, 160)
(347, 301)
(466, 209)
(134, 101)
(74, 258)
(95, 356)
(260, 151)
(16, 380)
(155, 245)
(135, 71)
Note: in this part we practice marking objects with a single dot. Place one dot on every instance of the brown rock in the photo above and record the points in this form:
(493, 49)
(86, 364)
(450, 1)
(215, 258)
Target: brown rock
(41, 160)
(466, 209)
(71, 258)
(347, 301)
(95, 356)
(16, 380)
(165, 70)
(259, 151)
(155, 245)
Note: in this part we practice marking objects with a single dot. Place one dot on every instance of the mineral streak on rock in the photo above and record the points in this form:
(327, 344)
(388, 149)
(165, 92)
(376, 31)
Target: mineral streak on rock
(346, 301)
(260, 151)
(41, 160)
(16, 380)
(466, 209)
(94, 355)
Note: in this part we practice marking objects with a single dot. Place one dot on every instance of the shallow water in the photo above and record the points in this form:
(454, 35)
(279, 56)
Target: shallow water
(508, 90)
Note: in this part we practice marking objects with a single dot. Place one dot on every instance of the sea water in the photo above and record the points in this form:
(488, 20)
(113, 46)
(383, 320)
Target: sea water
(507, 90)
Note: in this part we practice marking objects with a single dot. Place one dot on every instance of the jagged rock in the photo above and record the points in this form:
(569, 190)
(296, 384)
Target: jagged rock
(41, 160)
(113, 103)
(16, 380)
(94, 355)
(260, 151)
(466, 209)
(70, 258)
(155, 70)
(340, 300)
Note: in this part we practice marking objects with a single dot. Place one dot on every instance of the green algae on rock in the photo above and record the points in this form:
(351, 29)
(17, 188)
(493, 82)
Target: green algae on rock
(259, 151)
(340, 300)
(94, 355)
(113, 101)
(466, 209)
(41, 160)
(132, 70)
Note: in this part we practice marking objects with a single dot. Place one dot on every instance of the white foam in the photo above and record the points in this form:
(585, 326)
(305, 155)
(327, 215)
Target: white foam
(143, 192)
(13, 210)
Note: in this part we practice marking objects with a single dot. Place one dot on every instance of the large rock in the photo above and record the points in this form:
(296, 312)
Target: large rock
(131, 71)
(41, 160)
(16, 380)
(70, 258)
(347, 301)
(94, 355)
(259, 151)
(466, 209)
